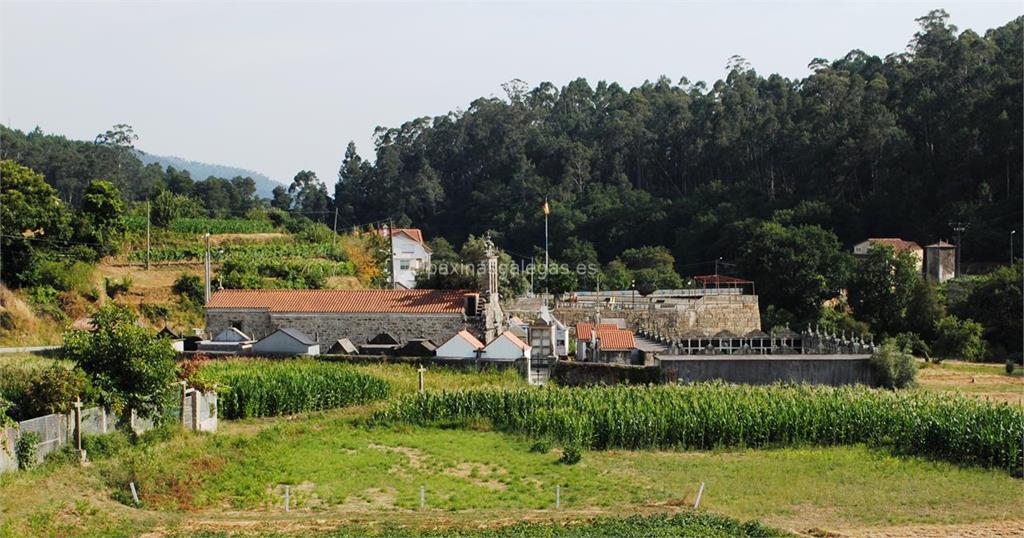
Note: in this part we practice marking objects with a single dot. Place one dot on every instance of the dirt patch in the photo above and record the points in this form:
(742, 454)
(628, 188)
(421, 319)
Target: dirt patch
(371, 499)
(986, 386)
(479, 474)
(416, 458)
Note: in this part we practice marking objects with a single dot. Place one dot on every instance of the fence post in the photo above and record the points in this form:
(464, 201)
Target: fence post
(558, 497)
(78, 430)
(700, 492)
(287, 498)
(135, 494)
(423, 497)
(184, 394)
(195, 410)
(421, 370)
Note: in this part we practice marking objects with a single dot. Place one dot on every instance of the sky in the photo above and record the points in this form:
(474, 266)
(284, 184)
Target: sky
(282, 87)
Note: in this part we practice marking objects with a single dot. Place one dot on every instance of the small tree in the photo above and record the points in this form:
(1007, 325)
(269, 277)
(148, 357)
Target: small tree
(894, 367)
(129, 366)
(959, 339)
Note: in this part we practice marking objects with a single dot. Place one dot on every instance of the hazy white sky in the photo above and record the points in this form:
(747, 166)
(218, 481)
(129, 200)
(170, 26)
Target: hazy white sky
(279, 87)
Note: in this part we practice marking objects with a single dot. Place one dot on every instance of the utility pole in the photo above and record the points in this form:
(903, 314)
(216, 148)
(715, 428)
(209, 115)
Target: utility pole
(1012, 232)
(149, 219)
(207, 270)
(334, 238)
(959, 228)
(391, 251)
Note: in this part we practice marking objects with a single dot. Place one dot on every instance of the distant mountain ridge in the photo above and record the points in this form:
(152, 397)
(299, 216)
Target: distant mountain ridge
(200, 171)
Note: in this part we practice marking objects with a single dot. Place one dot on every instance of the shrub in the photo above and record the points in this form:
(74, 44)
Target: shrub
(115, 288)
(913, 344)
(714, 415)
(894, 367)
(959, 339)
(1010, 366)
(571, 453)
(54, 390)
(258, 388)
(105, 445)
(25, 450)
(190, 287)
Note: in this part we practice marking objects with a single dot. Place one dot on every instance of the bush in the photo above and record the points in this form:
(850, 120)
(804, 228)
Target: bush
(1010, 366)
(571, 453)
(894, 367)
(913, 344)
(115, 288)
(959, 339)
(105, 445)
(25, 450)
(54, 390)
(191, 288)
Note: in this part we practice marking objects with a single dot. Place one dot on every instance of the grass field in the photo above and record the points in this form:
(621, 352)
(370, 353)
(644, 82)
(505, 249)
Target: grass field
(347, 478)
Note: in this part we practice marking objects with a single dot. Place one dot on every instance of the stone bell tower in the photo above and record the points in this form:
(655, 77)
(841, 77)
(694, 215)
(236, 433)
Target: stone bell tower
(494, 317)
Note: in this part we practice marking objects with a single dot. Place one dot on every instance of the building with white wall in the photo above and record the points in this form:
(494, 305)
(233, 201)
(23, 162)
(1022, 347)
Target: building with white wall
(409, 254)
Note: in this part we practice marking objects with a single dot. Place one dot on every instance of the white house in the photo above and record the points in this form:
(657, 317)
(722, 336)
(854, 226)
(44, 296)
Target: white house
(286, 342)
(897, 244)
(461, 346)
(506, 347)
(409, 254)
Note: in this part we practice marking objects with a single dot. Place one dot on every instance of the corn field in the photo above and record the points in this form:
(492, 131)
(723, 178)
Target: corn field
(257, 388)
(708, 416)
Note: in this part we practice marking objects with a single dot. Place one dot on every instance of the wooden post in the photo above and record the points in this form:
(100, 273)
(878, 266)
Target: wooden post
(700, 492)
(423, 497)
(421, 370)
(135, 493)
(287, 498)
(558, 497)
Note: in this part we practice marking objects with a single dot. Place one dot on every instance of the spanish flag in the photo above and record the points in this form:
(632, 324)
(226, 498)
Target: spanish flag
(547, 208)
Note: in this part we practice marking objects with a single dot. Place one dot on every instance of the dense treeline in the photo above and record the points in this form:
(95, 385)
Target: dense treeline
(894, 146)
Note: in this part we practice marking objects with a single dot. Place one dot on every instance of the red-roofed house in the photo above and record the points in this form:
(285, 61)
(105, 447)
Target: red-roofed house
(506, 347)
(461, 346)
(409, 254)
(606, 342)
(897, 244)
(330, 315)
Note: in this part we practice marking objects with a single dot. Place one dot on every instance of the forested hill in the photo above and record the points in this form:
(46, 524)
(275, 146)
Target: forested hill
(864, 146)
(264, 185)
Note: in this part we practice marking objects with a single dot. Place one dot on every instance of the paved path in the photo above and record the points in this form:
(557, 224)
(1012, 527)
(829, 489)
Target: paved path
(29, 349)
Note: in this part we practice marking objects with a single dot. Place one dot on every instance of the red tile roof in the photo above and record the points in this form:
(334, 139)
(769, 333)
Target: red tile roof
(468, 336)
(343, 301)
(516, 341)
(616, 340)
(895, 242)
(414, 233)
(585, 330)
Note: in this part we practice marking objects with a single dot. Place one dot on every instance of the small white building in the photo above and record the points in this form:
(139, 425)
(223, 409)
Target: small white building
(409, 254)
(506, 347)
(286, 342)
(461, 346)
